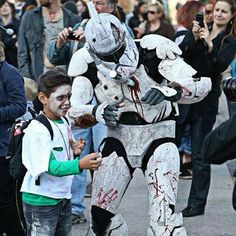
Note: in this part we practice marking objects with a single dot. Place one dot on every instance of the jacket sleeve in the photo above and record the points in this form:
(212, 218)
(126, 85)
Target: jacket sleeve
(219, 144)
(221, 58)
(59, 56)
(16, 107)
(23, 50)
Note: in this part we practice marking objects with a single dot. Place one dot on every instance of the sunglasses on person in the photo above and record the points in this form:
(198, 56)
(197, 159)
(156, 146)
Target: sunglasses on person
(152, 12)
(208, 12)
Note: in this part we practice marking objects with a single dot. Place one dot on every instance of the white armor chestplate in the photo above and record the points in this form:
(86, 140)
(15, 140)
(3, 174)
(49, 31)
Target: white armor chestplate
(136, 139)
(114, 92)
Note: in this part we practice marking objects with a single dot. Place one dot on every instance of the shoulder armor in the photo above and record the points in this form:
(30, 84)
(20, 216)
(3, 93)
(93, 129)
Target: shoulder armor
(79, 62)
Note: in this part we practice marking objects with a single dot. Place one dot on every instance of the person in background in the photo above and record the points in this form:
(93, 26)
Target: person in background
(46, 202)
(9, 21)
(12, 105)
(82, 9)
(24, 6)
(31, 92)
(209, 7)
(70, 5)
(139, 16)
(185, 16)
(37, 28)
(209, 52)
(156, 23)
(218, 146)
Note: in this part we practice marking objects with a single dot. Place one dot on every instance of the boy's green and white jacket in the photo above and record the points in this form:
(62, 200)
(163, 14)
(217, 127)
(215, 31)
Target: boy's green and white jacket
(52, 161)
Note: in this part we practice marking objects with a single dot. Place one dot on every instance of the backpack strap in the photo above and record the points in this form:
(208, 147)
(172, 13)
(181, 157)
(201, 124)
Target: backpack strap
(67, 121)
(42, 119)
(32, 112)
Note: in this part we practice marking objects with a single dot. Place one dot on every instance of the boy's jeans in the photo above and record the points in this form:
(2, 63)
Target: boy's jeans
(48, 220)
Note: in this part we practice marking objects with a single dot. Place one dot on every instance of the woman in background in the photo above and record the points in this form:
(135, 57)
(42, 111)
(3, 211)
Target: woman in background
(140, 15)
(209, 51)
(9, 21)
(156, 23)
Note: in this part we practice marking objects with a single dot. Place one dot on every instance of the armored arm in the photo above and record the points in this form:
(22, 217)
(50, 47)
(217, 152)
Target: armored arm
(181, 78)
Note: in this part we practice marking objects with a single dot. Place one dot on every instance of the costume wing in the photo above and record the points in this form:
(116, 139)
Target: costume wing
(165, 48)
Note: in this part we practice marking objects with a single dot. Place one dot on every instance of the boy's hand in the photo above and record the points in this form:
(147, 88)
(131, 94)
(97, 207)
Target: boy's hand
(77, 146)
(91, 161)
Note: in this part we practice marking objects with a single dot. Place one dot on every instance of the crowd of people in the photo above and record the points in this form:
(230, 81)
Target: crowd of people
(41, 42)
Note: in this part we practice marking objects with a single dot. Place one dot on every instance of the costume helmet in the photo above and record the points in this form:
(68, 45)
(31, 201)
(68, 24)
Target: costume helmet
(110, 44)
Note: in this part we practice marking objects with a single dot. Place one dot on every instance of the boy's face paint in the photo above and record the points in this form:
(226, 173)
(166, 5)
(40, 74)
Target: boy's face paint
(58, 103)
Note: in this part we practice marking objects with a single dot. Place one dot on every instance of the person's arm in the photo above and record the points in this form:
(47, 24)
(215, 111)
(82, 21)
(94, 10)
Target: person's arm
(63, 168)
(73, 167)
(23, 50)
(59, 50)
(59, 56)
(13, 83)
(219, 144)
(220, 59)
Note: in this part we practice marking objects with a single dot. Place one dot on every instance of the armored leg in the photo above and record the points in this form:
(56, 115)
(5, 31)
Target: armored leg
(110, 183)
(162, 177)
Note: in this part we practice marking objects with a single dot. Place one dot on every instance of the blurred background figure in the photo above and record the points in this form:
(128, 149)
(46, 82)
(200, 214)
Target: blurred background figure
(127, 6)
(22, 6)
(156, 23)
(9, 21)
(139, 16)
(82, 9)
(185, 16)
(209, 51)
(12, 105)
(71, 5)
(209, 7)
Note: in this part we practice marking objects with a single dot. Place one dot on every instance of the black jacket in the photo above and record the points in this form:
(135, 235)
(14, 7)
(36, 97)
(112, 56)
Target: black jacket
(12, 102)
(219, 145)
(10, 41)
(210, 65)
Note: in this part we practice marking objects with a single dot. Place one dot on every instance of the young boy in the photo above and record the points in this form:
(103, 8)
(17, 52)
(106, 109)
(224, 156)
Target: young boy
(51, 164)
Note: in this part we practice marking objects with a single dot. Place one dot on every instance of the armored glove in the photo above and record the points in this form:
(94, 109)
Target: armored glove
(158, 94)
(109, 115)
(106, 114)
(153, 97)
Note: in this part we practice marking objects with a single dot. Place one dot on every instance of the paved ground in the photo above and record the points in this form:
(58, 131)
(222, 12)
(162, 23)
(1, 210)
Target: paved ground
(219, 219)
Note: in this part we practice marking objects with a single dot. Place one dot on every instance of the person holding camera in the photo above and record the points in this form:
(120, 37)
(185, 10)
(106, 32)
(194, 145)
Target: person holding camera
(209, 51)
(37, 28)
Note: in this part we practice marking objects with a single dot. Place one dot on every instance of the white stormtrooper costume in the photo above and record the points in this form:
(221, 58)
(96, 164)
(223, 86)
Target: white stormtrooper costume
(138, 92)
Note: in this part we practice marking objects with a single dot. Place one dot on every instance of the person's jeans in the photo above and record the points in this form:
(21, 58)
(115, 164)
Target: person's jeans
(185, 144)
(9, 219)
(201, 169)
(48, 220)
(92, 137)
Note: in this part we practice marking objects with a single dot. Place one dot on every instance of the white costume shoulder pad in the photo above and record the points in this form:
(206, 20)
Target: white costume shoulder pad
(79, 62)
(165, 48)
(82, 91)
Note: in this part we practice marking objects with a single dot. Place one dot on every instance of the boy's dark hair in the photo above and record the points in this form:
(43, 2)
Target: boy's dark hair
(51, 80)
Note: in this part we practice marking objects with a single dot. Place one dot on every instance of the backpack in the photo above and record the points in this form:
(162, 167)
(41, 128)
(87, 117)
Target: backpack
(17, 169)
